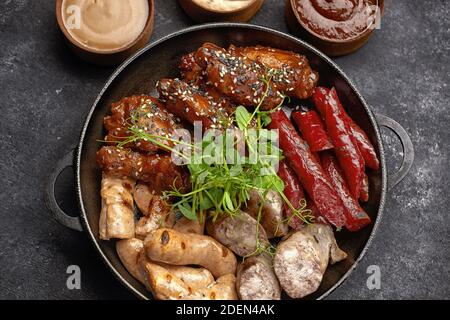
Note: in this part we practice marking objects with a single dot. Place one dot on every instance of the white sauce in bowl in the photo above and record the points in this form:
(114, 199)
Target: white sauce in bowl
(105, 25)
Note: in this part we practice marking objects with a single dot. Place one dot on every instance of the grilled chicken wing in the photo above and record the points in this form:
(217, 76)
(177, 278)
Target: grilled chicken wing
(237, 77)
(293, 75)
(117, 215)
(237, 73)
(157, 169)
(191, 72)
(143, 112)
(191, 104)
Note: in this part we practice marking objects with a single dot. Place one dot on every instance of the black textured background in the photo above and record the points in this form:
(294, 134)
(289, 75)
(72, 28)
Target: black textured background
(45, 93)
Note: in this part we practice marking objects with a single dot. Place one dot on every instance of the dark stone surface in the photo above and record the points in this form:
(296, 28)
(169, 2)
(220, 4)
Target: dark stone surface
(45, 93)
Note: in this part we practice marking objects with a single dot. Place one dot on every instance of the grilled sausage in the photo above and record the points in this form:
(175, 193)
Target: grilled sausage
(256, 279)
(185, 283)
(301, 260)
(324, 235)
(129, 251)
(172, 247)
(117, 215)
(185, 225)
(143, 196)
(272, 218)
(237, 233)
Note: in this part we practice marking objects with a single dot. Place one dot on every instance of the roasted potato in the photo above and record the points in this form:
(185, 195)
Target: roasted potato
(173, 247)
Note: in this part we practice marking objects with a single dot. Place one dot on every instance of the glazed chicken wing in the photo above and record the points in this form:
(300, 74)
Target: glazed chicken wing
(157, 169)
(191, 72)
(293, 76)
(237, 77)
(237, 73)
(191, 104)
(144, 112)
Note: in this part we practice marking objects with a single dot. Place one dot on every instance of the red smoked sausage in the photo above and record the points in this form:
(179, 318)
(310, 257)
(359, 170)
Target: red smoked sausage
(293, 191)
(313, 130)
(308, 170)
(364, 145)
(347, 152)
(356, 217)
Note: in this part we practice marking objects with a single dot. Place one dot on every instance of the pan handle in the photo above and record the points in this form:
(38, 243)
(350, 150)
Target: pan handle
(58, 214)
(408, 149)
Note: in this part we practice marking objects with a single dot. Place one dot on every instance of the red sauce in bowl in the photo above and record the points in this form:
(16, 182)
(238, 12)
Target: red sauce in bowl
(337, 19)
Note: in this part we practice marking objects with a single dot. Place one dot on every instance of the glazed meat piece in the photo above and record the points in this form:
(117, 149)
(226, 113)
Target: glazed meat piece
(293, 76)
(191, 104)
(237, 77)
(142, 112)
(301, 260)
(256, 279)
(117, 215)
(191, 72)
(157, 169)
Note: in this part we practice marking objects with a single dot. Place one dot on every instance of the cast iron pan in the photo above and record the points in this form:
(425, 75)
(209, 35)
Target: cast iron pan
(159, 59)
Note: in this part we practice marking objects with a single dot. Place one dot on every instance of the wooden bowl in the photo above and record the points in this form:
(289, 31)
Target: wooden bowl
(331, 47)
(199, 13)
(110, 57)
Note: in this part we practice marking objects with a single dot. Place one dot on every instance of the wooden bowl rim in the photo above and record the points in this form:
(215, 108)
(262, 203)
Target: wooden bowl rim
(364, 34)
(147, 28)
